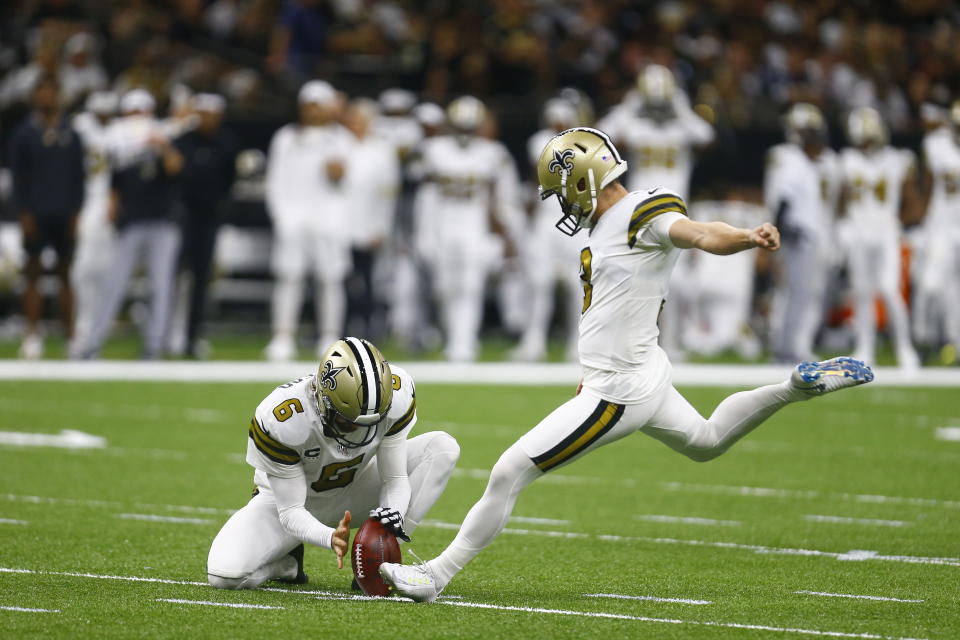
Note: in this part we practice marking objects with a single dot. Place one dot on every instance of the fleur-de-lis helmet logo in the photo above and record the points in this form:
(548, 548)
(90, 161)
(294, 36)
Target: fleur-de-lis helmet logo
(328, 377)
(562, 161)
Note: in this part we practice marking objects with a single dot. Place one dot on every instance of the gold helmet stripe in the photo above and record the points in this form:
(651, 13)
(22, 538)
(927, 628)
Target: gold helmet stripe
(603, 418)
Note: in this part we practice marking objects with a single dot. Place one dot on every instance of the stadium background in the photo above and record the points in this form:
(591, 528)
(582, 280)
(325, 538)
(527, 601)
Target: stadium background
(741, 62)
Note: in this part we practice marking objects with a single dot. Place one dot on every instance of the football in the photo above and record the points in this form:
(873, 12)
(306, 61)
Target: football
(372, 546)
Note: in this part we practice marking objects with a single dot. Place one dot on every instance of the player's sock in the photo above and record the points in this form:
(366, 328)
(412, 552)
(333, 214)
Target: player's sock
(512, 473)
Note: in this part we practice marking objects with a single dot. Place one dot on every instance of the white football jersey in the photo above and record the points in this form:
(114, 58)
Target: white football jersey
(96, 146)
(286, 438)
(658, 153)
(874, 187)
(298, 189)
(808, 187)
(942, 156)
(373, 185)
(625, 269)
(464, 172)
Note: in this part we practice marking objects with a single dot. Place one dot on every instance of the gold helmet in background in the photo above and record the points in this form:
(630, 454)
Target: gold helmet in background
(865, 128)
(574, 166)
(353, 390)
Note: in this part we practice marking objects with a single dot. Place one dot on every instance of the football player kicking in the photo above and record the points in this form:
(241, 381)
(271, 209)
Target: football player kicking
(632, 246)
(324, 447)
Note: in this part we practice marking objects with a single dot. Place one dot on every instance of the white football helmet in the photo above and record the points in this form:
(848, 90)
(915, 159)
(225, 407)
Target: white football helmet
(804, 123)
(657, 88)
(466, 114)
(559, 114)
(865, 128)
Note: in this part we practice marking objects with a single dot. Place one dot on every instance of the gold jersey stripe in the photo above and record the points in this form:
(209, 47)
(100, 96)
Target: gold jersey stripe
(270, 447)
(650, 209)
(405, 419)
(604, 417)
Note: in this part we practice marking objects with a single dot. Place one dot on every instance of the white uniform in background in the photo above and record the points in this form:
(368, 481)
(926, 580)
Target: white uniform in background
(311, 224)
(550, 257)
(287, 440)
(95, 232)
(873, 182)
(722, 286)
(938, 288)
(804, 191)
(463, 172)
(660, 154)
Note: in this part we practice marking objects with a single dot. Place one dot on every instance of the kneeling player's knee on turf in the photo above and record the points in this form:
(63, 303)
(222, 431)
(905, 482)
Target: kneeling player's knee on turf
(220, 582)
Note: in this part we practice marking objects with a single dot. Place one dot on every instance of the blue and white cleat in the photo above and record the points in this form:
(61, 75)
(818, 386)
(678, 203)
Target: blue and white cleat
(415, 582)
(819, 378)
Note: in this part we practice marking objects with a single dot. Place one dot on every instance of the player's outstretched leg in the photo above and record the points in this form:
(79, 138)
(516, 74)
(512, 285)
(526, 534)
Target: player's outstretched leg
(819, 378)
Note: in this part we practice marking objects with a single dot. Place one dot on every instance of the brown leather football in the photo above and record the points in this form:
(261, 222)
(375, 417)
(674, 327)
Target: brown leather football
(372, 546)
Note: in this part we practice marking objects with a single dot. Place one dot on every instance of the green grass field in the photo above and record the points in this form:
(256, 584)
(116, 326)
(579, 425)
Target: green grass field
(850, 494)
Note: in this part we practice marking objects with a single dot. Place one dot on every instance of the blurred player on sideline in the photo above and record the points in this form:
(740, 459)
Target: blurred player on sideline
(659, 133)
(466, 180)
(937, 301)
(631, 247)
(878, 182)
(800, 190)
(550, 257)
(722, 286)
(328, 449)
(307, 201)
(95, 233)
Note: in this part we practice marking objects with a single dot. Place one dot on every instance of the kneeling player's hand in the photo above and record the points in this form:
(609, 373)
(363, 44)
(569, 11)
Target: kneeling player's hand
(392, 520)
(341, 536)
(766, 236)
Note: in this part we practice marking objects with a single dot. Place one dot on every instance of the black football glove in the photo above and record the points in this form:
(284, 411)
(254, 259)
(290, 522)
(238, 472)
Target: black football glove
(392, 520)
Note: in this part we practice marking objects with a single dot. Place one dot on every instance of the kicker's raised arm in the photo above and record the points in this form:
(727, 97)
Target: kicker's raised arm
(722, 239)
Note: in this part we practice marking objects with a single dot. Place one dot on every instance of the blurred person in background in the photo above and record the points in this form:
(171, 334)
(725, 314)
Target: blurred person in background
(17, 86)
(81, 72)
(937, 301)
(46, 159)
(210, 158)
(143, 206)
(659, 132)
(878, 183)
(307, 199)
(373, 184)
(800, 191)
(550, 258)
(96, 233)
(463, 170)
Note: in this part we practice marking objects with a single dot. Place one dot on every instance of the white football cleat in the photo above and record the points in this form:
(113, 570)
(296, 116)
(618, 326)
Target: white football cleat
(414, 582)
(819, 378)
(282, 348)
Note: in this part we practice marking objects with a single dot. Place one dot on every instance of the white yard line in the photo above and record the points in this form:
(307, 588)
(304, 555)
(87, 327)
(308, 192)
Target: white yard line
(147, 517)
(767, 492)
(948, 434)
(10, 521)
(105, 504)
(853, 555)
(29, 609)
(856, 597)
(870, 522)
(688, 520)
(620, 596)
(547, 521)
(207, 603)
(97, 576)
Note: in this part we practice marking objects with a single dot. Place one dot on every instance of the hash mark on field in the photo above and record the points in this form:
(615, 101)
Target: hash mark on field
(684, 520)
(949, 434)
(152, 518)
(867, 521)
(855, 555)
(858, 597)
(11, 521)
(767, 492)
(208, 603)
(704, 623)
(618, 596)
(97, 576)
(29, 609)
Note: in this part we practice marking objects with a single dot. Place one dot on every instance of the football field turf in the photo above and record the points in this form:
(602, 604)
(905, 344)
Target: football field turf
(838, 518)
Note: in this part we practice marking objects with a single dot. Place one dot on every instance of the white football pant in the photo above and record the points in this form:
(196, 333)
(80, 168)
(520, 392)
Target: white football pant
(95, 240)
(938, 289)
(252, 547)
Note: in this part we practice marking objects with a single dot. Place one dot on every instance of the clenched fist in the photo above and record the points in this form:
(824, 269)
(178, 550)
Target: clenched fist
(766, 236)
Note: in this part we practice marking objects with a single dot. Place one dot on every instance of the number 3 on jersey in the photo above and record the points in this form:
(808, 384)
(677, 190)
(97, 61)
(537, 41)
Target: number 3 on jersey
(586, 273)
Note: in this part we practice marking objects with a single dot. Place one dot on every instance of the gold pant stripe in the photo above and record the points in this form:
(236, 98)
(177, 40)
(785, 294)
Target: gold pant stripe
(405, 419)
(600, 421)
